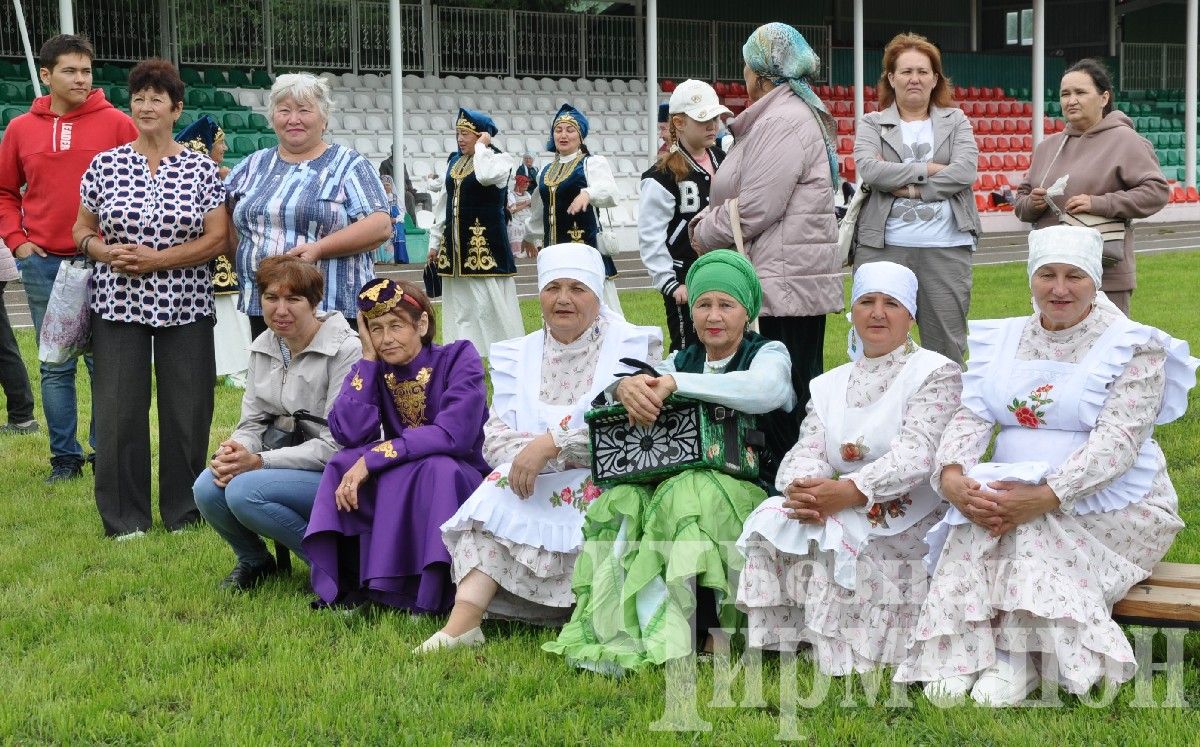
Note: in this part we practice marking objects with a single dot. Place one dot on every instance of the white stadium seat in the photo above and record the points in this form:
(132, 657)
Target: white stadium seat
(545, 104)
(420, 169)
(602, 85)
(520, 123)
(485, 102)
(626, 166)
(472, 83)
(583, 85)
(368, 146)
(530, 84)
(502, 123)
(447, 103)
(596, 105)
(631, 124)
(452, 83)
(354, 123)
(504, 103)
(637, 86)
(525, 104)
(364, 102)
(492, 83)
(629, 145)
(378, 123)
(426, 103)
(618, 86)
(449, 144)
(511, 84)
(350, 80)
(616, 104)
(413, 82)
(372, 80)
(535, 145)
(440, 124)
(567, 86)
(431, 146)
(342, 101)
(250, 98)
(411, 145)
(610, 144)
(547, 85)
(540, 123)
(612, 125)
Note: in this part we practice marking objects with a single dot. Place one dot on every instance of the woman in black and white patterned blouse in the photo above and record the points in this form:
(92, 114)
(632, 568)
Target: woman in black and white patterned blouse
(152, 218)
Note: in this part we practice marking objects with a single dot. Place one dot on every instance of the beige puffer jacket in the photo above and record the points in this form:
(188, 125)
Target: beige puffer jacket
(779, 172)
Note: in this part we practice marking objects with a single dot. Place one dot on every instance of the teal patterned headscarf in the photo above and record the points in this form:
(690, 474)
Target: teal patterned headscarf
(779, 53)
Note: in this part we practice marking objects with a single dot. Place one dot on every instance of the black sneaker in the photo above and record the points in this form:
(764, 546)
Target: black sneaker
(65, 468)
(20, 429)
(246, 576)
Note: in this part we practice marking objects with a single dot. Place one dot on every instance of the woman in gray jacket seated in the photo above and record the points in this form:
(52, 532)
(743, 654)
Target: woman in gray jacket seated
(263, 479)
(917, 154)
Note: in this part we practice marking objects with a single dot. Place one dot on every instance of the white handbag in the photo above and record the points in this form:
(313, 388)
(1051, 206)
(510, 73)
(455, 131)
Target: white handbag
(606, 238)
(848, 227)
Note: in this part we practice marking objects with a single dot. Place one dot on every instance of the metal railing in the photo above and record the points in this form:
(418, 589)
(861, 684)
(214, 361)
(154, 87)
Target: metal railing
(1153, 65)
(353, 35)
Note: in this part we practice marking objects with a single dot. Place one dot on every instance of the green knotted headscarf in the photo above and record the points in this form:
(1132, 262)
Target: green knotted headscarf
(729, 272)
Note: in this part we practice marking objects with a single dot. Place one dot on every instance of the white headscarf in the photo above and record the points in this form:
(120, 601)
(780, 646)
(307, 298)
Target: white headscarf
(888, 278)
(1071, 245)
(572, 262)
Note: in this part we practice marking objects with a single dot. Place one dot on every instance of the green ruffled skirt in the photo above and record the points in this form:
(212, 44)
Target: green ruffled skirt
(633, 578)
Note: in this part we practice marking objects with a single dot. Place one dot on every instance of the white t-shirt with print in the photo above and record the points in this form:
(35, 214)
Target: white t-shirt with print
(916, 223)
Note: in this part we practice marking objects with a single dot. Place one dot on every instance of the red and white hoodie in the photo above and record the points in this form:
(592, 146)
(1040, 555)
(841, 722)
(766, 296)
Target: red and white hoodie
(46, 154)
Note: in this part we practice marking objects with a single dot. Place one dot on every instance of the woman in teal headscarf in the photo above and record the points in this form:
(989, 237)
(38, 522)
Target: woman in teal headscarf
(782, 170)
(643, 545)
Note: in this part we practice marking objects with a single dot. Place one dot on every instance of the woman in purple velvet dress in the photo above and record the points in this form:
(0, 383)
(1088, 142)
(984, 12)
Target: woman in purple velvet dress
(374, 532)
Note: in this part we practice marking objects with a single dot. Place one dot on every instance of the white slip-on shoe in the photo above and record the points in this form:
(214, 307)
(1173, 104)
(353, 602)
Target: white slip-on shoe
(951, 690)
(440, 640)
(1007, 682)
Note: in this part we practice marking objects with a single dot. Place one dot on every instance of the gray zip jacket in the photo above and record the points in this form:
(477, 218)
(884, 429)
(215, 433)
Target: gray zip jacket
(312, 382)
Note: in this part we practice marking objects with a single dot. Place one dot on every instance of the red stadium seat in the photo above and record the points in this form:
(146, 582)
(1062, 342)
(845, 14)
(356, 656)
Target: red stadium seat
(1023, 126)
(976, 186)
(1178, 195)
(1010, 126)
(986, 94)
(981, 164)
(824, 91)
(839, 92)
(1027, 144)
(1192, 196)
(983, 127)
(845, 145)
(849, 167)
(722, 88)
(872, 106)
(1023, 162)
(1059, 125)
(1003, 109)
(1027, 109)
(988, 182)
(1010, 163)
(845, 127)
(960, 93)
(998, 93)
(870, 94)
(981, 203)
(987, 144)
(1002, 181)
(1002, 144)
(996, 163)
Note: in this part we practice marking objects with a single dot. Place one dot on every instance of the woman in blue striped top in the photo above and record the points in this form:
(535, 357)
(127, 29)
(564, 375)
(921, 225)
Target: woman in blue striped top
(308, 198)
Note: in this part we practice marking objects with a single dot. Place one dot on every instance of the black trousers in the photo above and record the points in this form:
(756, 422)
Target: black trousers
(804, 337)
(184, 369)
(14, 378)
(679, 325)
(258, 325)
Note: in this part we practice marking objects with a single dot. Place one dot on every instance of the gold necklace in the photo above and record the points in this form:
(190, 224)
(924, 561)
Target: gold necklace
(463, 167)
(560, 170)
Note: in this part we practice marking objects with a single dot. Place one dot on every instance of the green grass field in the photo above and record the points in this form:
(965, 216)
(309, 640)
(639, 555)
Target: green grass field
(104, 642)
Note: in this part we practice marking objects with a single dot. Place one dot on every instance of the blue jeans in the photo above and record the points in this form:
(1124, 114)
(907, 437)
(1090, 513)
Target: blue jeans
(58, 379)
(272, 503)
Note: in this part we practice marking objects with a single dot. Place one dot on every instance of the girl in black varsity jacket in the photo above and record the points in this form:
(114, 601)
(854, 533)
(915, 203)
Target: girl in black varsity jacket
(673, 191)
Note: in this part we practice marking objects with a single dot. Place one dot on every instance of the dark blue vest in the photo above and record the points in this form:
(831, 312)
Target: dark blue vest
(558, 225)
(475, 239)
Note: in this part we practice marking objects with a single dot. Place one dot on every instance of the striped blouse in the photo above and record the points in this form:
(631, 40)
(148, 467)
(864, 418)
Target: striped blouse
(278, 205)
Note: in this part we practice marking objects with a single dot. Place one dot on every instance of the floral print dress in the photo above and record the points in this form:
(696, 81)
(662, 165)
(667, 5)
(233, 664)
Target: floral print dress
(1048, 586)
(793, 592)
(529, 546)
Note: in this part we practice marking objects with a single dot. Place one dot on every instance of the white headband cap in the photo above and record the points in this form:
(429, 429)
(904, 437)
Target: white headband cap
(895, 280)
(572, 261)
(1071, 245)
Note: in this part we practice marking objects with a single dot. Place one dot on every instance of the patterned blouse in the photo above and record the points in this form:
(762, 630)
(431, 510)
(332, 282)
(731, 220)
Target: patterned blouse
(158, 210)
(278, 205)
(910, 455)
(1125, 422)
(567, 372)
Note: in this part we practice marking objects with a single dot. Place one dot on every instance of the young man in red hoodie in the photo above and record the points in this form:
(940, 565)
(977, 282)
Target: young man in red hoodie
(45, 152)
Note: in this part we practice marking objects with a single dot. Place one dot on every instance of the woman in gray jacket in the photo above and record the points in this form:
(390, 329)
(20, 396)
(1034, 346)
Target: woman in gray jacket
(917, 155)
(782, 170)
(263, 479)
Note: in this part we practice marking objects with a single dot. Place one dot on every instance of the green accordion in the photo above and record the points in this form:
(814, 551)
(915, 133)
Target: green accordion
(688, 434)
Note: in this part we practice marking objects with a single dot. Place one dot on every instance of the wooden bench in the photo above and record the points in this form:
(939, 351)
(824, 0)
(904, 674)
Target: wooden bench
(1170, 598)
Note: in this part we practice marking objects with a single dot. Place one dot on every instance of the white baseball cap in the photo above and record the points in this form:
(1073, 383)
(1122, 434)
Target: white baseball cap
(696, 99)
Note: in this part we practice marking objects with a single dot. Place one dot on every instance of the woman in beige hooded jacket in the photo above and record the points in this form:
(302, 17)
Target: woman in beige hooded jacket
(1113, 172)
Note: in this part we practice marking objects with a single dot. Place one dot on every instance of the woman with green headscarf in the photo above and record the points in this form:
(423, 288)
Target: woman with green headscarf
(782, 170)
(644, 544)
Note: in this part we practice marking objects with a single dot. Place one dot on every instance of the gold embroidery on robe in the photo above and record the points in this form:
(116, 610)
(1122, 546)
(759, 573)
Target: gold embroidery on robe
(576, 233)
(224, 278)
(479, 254)
(357, 383)
(409, 396)
(386, 449)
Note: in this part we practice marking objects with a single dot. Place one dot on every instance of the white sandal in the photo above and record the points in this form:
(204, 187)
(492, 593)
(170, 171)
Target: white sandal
(440, 640)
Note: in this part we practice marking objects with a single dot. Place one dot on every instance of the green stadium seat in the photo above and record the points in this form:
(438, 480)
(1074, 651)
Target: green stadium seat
(260, 79)
(185, 119)
(119, 96)
(10, 93)
(191, 76)
(214, 77)
(267, 141)
(238, 78)
(224, 100)
(259, 123)
(242, 144)
(199, 98)
(12, 70)
(1176, 139)
(10, 113)
(234, 122)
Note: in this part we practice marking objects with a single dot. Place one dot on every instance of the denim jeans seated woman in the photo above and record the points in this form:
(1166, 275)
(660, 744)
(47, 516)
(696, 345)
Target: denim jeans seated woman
(271, 503)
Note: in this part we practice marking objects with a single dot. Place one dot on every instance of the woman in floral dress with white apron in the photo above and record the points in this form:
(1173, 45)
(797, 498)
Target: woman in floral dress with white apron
(1075, 507)
(514, 542)
(835, 561)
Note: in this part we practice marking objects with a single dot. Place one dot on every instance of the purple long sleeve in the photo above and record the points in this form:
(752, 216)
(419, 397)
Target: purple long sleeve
(355, 419)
